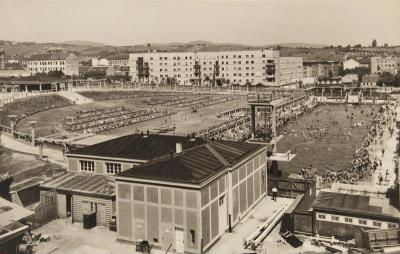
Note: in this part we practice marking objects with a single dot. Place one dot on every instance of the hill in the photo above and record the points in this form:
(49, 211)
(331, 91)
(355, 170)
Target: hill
(84, 43)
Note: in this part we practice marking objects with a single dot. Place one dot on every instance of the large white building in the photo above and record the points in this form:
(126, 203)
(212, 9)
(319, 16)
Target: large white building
(254, 67)
(68, 63)
(382, 64)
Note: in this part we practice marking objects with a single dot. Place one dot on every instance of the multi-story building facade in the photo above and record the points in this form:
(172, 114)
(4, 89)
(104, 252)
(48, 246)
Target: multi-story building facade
(254, 67)
(119, 60)
(68, 63)
(380, 65)
(320, 69)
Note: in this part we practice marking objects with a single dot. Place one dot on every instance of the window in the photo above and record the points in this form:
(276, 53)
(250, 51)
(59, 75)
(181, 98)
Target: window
(392, 225)
(321, 216)
(348, 220)
(192, 237)
(113, 168)
(87, 166)
(334, 218)
(362, 222)
(376, 224)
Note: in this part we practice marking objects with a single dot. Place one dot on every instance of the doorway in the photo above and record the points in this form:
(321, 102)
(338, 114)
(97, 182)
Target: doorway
(179, 241)
(222, 214)
(69, 205)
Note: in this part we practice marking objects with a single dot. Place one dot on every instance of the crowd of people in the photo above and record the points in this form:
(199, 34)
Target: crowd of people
(117, 95)
(235, 129)
(363, 164)
(238, 127)
(97, 120)
(190, 101)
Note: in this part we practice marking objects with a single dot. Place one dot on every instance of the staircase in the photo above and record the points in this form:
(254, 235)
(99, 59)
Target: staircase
(75, 97)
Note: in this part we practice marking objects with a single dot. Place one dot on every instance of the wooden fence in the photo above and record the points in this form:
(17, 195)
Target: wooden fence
(290, 187)
(46, 211)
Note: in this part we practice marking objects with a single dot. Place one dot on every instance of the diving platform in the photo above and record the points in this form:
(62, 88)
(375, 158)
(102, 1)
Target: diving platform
(287, 157)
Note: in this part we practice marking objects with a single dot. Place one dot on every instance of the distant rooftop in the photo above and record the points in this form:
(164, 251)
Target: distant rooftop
(44, 57)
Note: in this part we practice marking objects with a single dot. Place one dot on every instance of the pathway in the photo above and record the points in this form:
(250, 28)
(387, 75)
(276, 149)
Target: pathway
(52, 155)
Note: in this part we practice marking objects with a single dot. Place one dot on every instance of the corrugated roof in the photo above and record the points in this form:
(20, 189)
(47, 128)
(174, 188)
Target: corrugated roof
(138, 147)
(194, 165)
(354, 204)
(10, 212)
(84, 183)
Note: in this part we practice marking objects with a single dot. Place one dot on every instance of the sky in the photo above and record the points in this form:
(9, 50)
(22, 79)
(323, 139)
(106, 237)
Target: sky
(257, 22)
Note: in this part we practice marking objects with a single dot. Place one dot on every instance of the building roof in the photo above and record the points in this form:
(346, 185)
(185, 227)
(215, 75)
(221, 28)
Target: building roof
(195, 165)
(370, 78)
(94, 69)
(355, 204)
(316, 62)
(118, 57)
(365, 61)
(138, 147)
(10, 212)
(82, 183)
(45, 57)
(10, 215)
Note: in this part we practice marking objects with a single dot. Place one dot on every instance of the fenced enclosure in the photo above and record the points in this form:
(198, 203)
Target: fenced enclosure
(45, 211)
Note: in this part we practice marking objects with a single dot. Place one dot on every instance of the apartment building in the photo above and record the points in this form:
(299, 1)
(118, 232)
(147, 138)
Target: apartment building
(253, 67)
(381, 64)
(68, 63)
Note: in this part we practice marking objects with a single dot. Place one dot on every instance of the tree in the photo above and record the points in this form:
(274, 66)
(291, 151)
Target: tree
(385, 45)
(374, 43)
(387, 78)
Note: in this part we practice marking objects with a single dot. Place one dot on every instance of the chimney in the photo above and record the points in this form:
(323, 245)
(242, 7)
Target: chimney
(178, 148)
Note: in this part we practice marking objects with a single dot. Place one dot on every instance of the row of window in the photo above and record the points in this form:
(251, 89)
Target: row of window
(46, 62)
(205, 63)
(223, 57)
(111, 167)
(351, 220)
(40, 69)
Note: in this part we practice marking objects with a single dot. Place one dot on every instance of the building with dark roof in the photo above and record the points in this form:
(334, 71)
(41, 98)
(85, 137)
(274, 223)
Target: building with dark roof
(130, 150)
(369, 81)
(186, 199)
(343, 215)
(43, 63)
(177, 161)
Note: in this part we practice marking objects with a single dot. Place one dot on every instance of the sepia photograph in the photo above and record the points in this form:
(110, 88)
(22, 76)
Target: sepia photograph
(199, 126)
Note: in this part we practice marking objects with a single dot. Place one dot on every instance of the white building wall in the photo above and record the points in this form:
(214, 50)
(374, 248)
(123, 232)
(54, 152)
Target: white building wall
(239, 67)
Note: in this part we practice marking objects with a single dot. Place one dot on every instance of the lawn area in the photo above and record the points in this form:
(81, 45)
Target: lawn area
(24, 166)
(326, 137)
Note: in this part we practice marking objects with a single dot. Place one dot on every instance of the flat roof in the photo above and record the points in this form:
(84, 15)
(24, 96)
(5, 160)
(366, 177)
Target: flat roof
(138, 147)
(196, 165)
(82, 183)
(355, 204)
